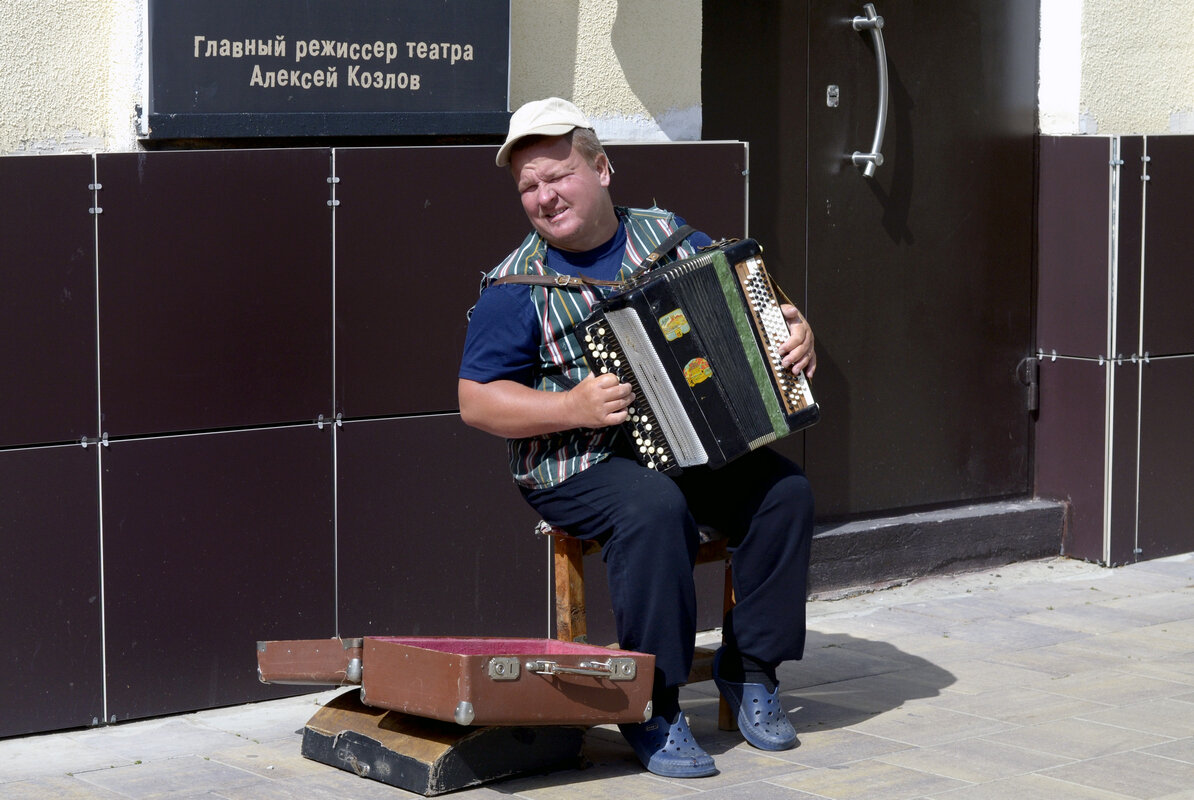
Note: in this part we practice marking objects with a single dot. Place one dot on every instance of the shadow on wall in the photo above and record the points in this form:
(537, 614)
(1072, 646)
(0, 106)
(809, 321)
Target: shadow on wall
(638, 30)
(543, 58)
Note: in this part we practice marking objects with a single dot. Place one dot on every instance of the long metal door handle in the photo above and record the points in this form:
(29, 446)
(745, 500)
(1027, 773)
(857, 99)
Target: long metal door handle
(874, 23)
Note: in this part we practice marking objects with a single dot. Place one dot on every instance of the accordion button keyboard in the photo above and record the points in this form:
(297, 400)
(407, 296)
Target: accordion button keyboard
(605, 356)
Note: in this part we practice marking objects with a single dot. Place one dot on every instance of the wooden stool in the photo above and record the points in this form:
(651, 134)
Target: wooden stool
(571, 626)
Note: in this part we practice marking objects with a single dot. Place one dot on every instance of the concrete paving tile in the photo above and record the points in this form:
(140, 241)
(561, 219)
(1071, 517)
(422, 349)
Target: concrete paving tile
(169, 778)
(1165, 606)
(984, 604)
(1114, 687)
(1091, 618)
(331, 782)
(1132, 774)
(598, 785)
(854, 702)
(276, 719)
(1138, 645)
(974, 760)
(1187, 794)
(863, 778)
(1029, 787)
(278, 759)
(1182, 629)
(979, 676)
(741, 764)
(1064, 659)
(944, 649)
(1020, 706)
(1180, 750)
(1166, 717)
(877, 623)
(1013, 634)
(1177, 567)
(830, 748)
(58, 788)
(288, 790)
(146, 740)
(827, 659)
(756, 790)
(46, 756)
(926, 726)
(1179, 669)
(1076, 738)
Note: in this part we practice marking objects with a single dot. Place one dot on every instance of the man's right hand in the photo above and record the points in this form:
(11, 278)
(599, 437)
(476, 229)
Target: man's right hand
(601, 400)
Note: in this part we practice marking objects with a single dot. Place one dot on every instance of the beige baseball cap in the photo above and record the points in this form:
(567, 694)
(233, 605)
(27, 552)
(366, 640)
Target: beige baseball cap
(551, 116)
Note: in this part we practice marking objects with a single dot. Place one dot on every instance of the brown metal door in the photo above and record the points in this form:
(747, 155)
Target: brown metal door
(918, 280)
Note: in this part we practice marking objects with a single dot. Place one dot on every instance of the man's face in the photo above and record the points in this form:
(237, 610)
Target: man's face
(565, 199)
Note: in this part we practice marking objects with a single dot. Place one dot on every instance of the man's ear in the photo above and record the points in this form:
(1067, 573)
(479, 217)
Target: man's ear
(604, 169)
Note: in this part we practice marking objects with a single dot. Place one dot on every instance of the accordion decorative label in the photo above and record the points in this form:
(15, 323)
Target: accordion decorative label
(697, 370)
(674, 325)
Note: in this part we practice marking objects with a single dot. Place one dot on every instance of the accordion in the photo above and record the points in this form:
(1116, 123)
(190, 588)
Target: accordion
(698, 340)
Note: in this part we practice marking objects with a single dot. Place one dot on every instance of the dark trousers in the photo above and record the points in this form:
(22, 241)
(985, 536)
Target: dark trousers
(647, 524)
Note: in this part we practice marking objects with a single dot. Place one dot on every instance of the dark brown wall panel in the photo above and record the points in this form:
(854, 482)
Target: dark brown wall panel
(1074, 219)
(1166, 442)
(434, 537)
(1169, 241)
(1125, 413)
(215, 282)
(704, 182)
(415, 230)
(1131, 230)
(211, 543)
(1070, 448)
(50, 601)
(412, 245)
(47, 300)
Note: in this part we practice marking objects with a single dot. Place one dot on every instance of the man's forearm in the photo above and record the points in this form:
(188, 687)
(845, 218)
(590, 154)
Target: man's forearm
(511, 410)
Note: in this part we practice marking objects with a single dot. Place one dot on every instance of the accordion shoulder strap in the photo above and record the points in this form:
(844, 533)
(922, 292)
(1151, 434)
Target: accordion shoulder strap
(574, 281)
(665, 247)
(563, 281)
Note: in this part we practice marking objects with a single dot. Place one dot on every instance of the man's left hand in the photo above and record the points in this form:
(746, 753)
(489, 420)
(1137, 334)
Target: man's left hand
(797, 352)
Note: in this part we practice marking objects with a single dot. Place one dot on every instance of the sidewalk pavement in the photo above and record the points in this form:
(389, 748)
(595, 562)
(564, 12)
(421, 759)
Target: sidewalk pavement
(1050, 679)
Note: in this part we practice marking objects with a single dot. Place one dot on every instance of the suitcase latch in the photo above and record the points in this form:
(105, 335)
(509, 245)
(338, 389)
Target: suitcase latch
(502, 668)
(616, 669)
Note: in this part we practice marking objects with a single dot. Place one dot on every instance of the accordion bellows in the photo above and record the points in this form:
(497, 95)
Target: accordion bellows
(698, 341)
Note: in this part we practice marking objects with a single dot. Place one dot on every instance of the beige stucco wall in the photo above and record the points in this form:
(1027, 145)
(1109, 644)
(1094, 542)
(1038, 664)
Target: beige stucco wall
(633, 66)
(1117, 66)
(1137, 64)
(70, 74)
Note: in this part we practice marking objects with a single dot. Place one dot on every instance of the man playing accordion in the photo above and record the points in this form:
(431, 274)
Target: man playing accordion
(524, 377)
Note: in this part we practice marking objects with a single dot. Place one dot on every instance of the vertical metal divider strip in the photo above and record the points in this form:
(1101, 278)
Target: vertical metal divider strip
(1144, 162)
(99, 450)
(1112, 308)
(335, 418)
(551, 584)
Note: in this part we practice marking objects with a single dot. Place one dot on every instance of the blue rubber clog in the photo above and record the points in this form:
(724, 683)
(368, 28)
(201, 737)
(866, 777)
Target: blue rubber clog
(761, 718)
(669, 749)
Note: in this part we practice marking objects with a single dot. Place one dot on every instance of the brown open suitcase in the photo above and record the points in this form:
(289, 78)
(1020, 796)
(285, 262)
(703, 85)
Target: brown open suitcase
(474, 680)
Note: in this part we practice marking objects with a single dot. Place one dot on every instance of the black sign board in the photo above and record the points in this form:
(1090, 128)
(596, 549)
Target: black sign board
(253, 68)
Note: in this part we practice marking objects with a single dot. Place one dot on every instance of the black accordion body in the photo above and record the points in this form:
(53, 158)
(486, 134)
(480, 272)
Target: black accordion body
(698, 340)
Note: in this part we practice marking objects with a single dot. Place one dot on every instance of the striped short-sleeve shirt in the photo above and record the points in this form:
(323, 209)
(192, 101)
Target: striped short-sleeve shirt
(549, 459)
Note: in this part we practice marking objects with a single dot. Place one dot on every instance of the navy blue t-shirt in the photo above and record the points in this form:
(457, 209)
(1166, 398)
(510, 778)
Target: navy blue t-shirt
(503, 332)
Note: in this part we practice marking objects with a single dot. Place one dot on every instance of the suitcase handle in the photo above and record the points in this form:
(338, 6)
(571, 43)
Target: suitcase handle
(616, 669)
